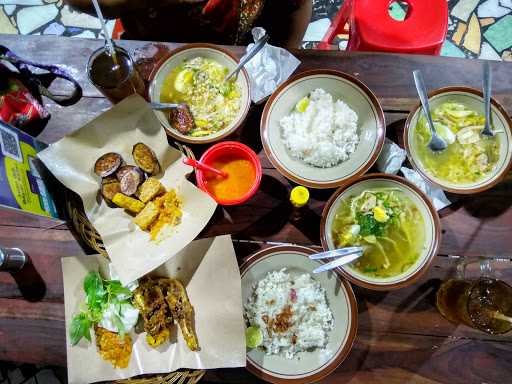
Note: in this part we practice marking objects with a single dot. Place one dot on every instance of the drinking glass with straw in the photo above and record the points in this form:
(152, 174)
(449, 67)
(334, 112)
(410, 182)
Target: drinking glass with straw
(111, 68)
(484, 303)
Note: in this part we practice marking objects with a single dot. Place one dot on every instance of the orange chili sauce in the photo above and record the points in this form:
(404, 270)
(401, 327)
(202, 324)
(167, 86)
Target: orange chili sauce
(241, 178)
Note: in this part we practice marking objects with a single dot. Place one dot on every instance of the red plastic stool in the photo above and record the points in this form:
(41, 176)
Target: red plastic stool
(118, 30)
(371, 28)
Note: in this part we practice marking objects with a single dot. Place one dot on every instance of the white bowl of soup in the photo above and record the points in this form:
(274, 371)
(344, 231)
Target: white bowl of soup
(472, 162)
(392, 220)
(194, 75)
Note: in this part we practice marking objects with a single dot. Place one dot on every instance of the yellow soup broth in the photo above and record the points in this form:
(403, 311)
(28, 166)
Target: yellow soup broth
(387, 224)
(470, 156)
(199, 83)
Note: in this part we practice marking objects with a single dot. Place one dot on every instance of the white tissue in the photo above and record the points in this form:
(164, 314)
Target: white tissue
(269, 68)
(435, 194)
(391, 158)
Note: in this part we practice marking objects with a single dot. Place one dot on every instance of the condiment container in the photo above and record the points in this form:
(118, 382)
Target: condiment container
(223, 153)
(299, 198)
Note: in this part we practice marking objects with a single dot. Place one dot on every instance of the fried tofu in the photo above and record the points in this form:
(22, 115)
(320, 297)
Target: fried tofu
(150, 189)
(128, 203)
(146, 217)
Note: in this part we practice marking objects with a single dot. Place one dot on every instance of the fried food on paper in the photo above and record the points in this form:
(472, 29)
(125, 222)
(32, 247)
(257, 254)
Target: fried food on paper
(145, 158)
(128, 203)
(157, 210)
(161, 301)
(182, 311)
(149, 299)
(113, 347)
(150, 189)
(125, 169)
(109, 187)
(169, 205)
(107, 164)
(130, 181)
(146, 217)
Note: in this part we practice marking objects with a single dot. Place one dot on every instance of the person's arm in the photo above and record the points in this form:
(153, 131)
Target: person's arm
(109, 8)
(299, 21)
(287, 30)
(116, 8)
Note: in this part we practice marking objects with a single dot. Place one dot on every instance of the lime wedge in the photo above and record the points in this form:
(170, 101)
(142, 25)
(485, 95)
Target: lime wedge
(302, 105)
(183, 80)
(253, 337)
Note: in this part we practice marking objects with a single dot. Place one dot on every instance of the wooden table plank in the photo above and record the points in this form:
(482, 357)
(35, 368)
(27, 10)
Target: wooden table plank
(32, 332)
(388, 75)
(399, 359)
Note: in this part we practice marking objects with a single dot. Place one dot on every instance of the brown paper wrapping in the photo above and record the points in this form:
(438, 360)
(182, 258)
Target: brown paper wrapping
(72, 160)
(210, 271)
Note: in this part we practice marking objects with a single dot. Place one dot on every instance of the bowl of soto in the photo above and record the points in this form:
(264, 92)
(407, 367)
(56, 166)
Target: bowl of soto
(194, 75)
(472, 162)
(392, 220)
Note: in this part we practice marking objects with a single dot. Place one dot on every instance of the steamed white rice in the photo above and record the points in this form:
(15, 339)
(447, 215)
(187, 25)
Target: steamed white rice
(325, 134)
(299, 296)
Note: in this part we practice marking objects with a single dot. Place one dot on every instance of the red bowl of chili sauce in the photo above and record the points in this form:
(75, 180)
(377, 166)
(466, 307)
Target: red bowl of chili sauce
(242, 166)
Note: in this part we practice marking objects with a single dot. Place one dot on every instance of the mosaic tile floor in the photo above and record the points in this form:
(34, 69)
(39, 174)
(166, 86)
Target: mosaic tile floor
(477, 28)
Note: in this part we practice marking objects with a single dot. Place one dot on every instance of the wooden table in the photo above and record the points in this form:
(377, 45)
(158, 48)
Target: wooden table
(401, 337)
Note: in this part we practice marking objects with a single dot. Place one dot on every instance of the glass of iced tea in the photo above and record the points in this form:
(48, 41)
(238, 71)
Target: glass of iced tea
(484, 303)
(115, 74)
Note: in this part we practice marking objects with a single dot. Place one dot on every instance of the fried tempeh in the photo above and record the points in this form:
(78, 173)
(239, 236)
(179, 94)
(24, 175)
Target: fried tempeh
(147, 216)
(128, 203)
(150, 189)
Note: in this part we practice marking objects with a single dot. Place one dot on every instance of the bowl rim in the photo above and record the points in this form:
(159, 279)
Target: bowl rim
(255, 160)
(428, 259)
(246, 107)
(336, 362)
(381, 128)
(415, 163)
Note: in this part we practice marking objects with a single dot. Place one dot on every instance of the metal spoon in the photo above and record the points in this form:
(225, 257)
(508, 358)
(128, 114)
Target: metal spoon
(343, 255)
(487, 131)
(253, 51)
(436, 143)
(163, 106)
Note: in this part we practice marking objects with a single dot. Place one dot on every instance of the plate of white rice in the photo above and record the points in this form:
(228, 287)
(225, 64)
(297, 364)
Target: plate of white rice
(322, 127)
(308, 322)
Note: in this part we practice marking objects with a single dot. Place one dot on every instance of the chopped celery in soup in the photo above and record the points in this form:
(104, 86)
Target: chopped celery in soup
(469, 157)
(387, 224)
(199, 83)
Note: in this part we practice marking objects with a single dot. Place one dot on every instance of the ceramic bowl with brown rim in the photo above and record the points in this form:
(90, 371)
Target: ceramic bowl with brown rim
(308, 366)
(371, 127)
(472, 99)
(208, 51)
(431, 229)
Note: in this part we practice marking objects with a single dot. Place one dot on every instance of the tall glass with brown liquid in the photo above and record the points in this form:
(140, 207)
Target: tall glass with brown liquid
(114, 75)
(484, 303)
